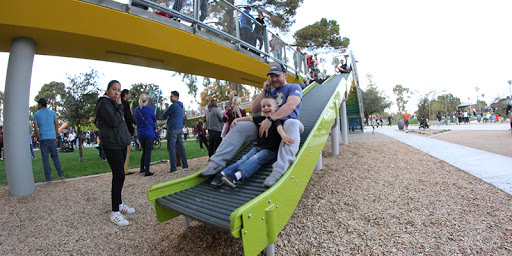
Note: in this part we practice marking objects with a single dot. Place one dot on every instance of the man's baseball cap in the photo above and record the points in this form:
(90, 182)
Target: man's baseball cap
(42, 101)
(276, 68)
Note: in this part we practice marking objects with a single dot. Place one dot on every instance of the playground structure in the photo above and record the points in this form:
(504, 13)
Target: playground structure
(126, 34)
(112, 31)
(251, 212)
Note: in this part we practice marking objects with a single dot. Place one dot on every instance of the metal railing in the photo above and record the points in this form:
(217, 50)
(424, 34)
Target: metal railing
(227, 24)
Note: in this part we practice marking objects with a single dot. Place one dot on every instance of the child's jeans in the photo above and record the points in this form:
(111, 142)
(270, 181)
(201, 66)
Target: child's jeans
(251, 162)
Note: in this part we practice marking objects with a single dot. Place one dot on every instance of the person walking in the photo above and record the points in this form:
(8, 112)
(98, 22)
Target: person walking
(406, 121)
(185, 133)
(114, 139)
(1, 145)
(174, 115)
(46, 127)
(214, 124)
(146, 129)
(201, 135)
(30, 131)
(130, 122)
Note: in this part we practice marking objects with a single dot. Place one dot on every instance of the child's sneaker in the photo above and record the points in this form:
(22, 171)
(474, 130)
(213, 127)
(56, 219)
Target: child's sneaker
(217, 181)
(229, 180)
(125, 209)
(118, 219)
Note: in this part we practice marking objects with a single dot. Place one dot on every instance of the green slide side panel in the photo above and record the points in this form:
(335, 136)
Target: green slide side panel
(259, 221)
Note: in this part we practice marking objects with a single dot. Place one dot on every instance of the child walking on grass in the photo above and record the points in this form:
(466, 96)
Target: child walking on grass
(264, 151)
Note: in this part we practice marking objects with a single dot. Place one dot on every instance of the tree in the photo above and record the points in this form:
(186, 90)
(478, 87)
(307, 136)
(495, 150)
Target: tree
(321, 34)
(80, 102)
(373, 101)
(402, 97)
(143, 88)
(281, 12)
(53, 92)
(220, 91)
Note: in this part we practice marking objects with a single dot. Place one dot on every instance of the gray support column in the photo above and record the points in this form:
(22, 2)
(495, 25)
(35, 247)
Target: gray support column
(335, 137)
(187, 222)
(270, 249)
(18, 165)
(344, 123)
(318, 166)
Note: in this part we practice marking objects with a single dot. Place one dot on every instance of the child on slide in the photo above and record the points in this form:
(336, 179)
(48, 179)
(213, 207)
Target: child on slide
(264, 151)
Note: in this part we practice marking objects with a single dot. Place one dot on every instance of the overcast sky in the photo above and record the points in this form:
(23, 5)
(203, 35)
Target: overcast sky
(428, 45)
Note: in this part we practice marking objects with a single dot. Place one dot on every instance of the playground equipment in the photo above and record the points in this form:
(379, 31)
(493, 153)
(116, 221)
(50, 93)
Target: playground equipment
(119, 33)
(251, 212)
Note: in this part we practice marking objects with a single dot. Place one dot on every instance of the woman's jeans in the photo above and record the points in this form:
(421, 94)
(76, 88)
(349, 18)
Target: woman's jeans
(145, 160)
(251, 162)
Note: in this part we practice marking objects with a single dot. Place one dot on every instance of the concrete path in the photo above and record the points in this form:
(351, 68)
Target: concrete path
(492, 168)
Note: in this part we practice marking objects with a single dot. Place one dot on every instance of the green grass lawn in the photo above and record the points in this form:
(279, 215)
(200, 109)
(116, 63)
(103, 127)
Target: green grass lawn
(92, 163)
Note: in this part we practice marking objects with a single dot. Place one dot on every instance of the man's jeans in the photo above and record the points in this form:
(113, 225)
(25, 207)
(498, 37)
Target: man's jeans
(50, 147)
(175, 142)
(251, 162)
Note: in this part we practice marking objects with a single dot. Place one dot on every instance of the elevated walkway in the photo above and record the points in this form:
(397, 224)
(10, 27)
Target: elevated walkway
(111, 31)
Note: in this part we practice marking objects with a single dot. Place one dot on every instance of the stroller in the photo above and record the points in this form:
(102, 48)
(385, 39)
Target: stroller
(424, 123)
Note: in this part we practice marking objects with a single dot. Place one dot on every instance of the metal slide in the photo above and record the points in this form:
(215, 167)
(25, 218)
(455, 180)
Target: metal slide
(252, 212)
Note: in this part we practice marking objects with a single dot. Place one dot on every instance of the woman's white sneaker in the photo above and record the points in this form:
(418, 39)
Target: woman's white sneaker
(118, 219)
(125, 209)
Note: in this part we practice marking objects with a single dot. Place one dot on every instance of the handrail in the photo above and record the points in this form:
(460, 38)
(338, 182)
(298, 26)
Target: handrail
(196, 24)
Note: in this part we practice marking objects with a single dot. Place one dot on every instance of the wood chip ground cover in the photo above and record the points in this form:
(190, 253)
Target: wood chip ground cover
(378, 197)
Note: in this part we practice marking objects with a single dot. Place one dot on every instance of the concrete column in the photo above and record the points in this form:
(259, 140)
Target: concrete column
(344, 123)
(270, 249)
(335, 137)
(318, 166)
(18, 163)
(187, 222)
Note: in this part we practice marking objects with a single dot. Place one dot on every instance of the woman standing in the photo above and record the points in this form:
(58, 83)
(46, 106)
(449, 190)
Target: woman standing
(214, 124)
(114, 137)
(233, 113)
(146, 129)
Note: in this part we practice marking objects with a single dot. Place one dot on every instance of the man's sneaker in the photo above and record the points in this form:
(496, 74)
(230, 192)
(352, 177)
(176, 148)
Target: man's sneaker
(218, 180)
(142, 171)
(272, 179)
(149, 174)
(185, 169)
(210, 171)
(171, 171)
(125, 209)
(118, 219)
(230, 180)
(62, 177)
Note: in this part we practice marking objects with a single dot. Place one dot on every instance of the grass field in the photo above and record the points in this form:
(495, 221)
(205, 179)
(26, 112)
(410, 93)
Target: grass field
(92, 163)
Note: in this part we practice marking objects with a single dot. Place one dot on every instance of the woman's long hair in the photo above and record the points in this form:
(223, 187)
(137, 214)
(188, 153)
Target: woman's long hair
(212, 104)
(235, 106)
(143, 98)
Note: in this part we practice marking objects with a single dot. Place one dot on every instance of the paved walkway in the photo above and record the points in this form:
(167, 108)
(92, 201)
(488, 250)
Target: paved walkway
(492, 168)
